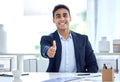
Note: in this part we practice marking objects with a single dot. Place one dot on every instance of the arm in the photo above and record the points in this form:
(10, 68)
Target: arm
(45, 45)
(91, 62)
(48, 47)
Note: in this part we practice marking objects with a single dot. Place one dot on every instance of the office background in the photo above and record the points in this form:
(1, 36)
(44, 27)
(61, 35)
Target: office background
(25, 21)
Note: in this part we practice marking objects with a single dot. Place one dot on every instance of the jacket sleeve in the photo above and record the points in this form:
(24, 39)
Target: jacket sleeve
(91, 62)
(45, 43)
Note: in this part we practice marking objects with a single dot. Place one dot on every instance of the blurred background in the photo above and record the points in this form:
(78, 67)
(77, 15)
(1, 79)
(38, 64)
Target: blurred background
(23, 22)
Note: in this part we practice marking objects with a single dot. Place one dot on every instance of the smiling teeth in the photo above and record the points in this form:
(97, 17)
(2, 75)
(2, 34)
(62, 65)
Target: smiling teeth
(62, 23)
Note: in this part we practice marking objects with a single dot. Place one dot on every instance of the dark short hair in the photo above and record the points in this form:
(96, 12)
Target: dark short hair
(59, 6)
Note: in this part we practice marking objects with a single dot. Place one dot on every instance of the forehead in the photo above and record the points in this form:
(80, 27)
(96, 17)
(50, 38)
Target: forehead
(61, 11)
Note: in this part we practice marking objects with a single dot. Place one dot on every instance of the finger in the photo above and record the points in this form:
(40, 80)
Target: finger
(52, 49)
(54, 44)
(51, 54)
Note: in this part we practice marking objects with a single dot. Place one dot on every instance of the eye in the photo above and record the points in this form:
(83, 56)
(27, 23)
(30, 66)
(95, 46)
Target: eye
(58, 16)
(65, 15)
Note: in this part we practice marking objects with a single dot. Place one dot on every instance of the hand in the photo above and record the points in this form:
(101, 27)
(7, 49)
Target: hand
(52, 50)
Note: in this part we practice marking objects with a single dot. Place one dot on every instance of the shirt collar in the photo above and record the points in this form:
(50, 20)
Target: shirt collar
(61, 37)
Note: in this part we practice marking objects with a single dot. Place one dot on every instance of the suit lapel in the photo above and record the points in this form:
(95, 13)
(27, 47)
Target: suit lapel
(76, 42)
(59, 50)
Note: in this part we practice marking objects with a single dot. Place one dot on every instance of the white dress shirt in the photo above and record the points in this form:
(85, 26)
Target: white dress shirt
(68, 63)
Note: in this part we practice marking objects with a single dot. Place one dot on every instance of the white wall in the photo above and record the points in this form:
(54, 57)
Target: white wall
(106, 22)
(108, 19)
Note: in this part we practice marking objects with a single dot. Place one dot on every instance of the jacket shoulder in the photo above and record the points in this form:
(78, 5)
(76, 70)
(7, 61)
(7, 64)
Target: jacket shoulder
(79, 35)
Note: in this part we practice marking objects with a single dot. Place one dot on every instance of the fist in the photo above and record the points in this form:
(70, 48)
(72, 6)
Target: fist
(52, 50)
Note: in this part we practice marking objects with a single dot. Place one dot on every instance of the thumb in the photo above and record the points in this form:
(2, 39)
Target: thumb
(54, 44)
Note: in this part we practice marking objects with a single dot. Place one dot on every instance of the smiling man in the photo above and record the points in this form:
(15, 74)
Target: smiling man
(67, 51)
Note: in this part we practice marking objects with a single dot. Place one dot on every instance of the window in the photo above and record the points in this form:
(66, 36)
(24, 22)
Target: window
(107, 21)
(26, 21)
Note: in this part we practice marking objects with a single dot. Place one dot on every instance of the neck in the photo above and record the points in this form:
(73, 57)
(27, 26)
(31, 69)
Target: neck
(65, 33)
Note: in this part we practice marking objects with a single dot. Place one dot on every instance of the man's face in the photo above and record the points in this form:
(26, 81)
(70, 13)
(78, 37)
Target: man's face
(62, 19)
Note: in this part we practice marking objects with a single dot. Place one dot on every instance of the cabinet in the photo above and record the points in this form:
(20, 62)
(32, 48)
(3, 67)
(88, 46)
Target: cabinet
(18, 60)
(34, 65)
(110, 59)
(6, 63)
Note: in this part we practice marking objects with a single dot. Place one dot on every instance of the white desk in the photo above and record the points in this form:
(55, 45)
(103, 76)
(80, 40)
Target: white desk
(40, 77)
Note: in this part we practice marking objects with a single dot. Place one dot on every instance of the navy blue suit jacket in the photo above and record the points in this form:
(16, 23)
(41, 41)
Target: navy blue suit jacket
(84, 55)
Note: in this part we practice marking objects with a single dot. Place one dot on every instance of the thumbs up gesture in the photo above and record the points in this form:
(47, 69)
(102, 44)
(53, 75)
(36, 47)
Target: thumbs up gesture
(52, 50)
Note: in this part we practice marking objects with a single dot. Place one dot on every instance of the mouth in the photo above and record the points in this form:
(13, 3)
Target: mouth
(62, 24)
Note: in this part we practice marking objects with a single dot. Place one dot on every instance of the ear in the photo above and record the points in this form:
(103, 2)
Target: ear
(70, 18)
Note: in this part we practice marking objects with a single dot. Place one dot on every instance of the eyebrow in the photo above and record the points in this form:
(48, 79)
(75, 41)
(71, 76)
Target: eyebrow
(59, 14)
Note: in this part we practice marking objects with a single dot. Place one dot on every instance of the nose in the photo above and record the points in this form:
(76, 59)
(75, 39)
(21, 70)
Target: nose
(62, 18)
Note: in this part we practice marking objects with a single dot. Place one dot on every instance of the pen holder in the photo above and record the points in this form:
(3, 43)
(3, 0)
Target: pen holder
(107, 75)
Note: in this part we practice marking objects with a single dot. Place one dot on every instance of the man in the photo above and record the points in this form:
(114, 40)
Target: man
(67, 51)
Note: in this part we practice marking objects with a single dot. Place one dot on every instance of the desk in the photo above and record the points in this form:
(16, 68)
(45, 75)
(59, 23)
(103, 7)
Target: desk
(42, 76)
